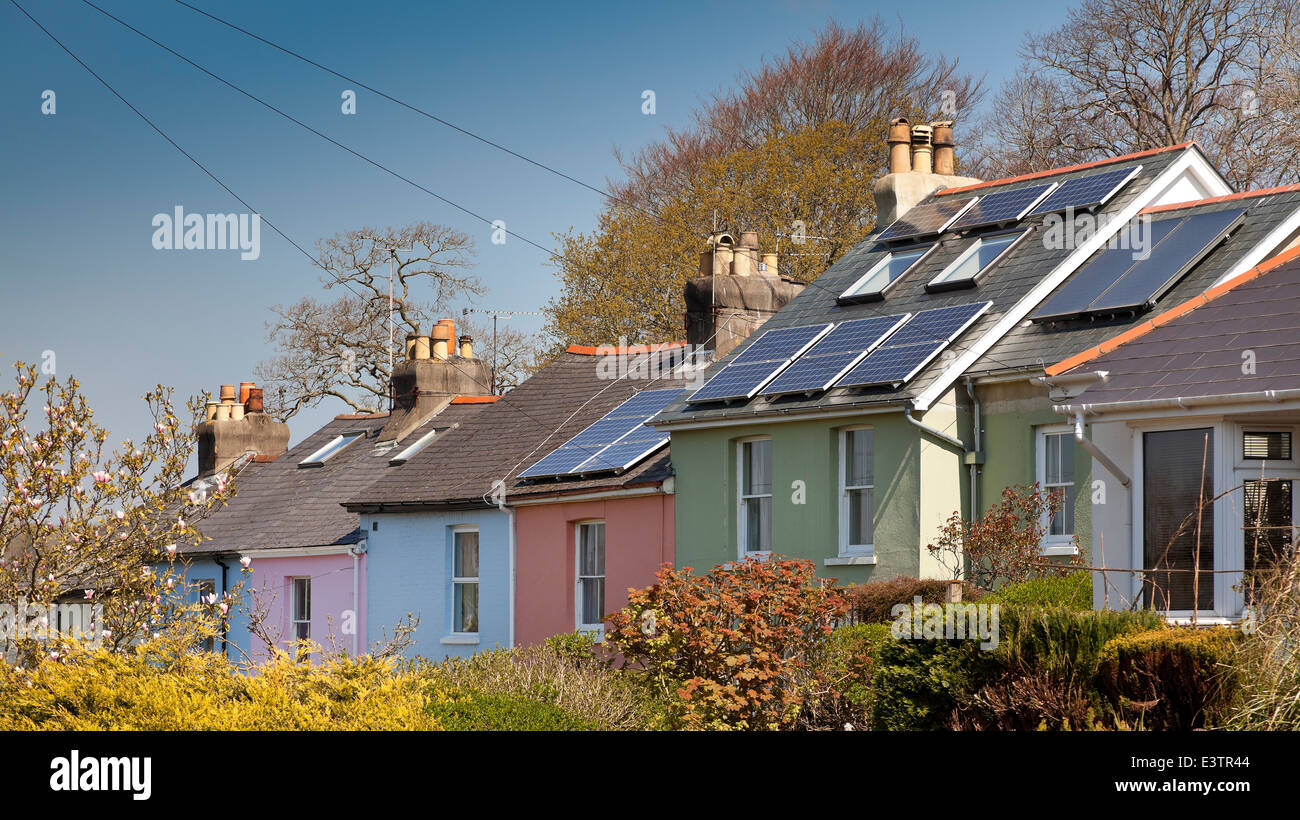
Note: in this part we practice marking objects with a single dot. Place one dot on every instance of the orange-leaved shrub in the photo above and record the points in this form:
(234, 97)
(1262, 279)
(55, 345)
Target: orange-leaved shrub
(738, 647)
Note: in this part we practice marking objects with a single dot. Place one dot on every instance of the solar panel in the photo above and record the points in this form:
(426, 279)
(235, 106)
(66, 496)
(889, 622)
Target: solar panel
(1122, 278)
(1086, 192)
(926, 220)
(913, 345)
(1001, 207)
(1169, 261)
(759, 363)
(616, 441)
(837, 351)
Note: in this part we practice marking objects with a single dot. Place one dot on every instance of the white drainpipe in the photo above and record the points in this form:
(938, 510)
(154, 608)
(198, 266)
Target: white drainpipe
(356, 553)
(510, 534)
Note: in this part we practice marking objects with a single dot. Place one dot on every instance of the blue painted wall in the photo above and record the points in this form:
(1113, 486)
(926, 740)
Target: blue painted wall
(205, 568)
(408, 570)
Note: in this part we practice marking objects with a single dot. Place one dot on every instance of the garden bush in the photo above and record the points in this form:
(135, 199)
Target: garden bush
(1073, 591)
(739, 647)
(479, 713)
(1170, 678)
(1039, 676)
(846, 669)
(874, 601)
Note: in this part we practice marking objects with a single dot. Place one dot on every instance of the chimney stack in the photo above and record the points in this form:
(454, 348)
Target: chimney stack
(921, 161)
(236, 426)
(423, 385)
(734, 294)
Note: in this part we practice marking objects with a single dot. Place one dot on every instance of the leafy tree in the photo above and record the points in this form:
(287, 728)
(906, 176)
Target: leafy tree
(792, 150)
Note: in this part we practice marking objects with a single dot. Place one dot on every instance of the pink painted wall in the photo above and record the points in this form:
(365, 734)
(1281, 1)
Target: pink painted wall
(331, 598)
(639, 535)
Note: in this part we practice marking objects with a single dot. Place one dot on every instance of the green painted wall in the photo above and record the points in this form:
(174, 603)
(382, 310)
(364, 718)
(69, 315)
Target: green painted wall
(1010, 415)
(705, 465)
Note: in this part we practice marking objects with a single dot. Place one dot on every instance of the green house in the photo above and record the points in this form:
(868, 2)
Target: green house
(907, 383)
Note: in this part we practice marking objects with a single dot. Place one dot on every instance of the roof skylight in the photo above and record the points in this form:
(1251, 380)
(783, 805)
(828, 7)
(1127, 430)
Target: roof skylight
(331, 449)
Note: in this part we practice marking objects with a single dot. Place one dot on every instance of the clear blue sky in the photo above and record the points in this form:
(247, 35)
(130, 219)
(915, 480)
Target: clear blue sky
(559, 82)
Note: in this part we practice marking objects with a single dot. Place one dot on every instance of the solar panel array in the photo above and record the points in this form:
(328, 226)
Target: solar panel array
(912, 346)
(926, 220)
(836, 353)
(617, 440)
(1119, 279)
(1001, 207)
(1086, 192)
(759, 363)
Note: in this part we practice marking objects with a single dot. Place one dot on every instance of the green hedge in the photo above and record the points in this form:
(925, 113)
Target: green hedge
(1170, 678)
(874, 601)
(1073, 591)
(1039, 676)
(501, 713)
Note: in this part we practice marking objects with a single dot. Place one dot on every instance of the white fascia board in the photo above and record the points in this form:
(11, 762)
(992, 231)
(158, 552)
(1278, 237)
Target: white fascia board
(1191, 163)
(1231, 404)
(1265, 248)
(576, 497)
(298, 552)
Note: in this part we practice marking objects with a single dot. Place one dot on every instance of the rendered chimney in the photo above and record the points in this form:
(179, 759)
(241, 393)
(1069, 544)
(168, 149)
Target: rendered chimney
(927, 157)
(733, 297)
(423, 386)
(232, 429)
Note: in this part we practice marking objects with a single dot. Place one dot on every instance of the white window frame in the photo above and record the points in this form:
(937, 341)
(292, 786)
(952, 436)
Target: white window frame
(1249, 470)
(845, 548)
(332, 448)
(294, 620)
(941, 282)
(457, 580)
(1054, 544)
(741, 531)
(851, 293)
(597, 630)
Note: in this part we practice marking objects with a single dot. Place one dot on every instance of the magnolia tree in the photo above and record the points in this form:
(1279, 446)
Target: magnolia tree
(93, 538)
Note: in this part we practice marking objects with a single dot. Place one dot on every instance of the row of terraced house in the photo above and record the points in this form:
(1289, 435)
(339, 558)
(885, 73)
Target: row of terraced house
(1124, 333)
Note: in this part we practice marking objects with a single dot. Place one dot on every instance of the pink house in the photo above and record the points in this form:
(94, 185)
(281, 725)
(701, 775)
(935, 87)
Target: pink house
(593, 513)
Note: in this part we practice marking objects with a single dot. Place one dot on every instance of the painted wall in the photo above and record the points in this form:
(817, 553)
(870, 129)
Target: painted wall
(333, 612)
(408, 570)
(190, 571)
(808, 450)
(1011, 413)
(639, 539)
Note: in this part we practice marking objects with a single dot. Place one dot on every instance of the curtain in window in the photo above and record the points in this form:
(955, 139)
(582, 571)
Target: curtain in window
(1174, 485)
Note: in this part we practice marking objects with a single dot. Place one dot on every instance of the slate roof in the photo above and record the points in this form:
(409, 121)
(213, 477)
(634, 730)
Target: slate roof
(507, 437)
(1198, 352)
(1039, 345)
(282, 505)
(1015, 276)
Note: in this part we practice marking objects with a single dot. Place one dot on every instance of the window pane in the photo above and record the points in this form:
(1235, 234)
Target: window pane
(860, 528)
(302, 599)
(1063, 520)
(990, 248)
(758, 524)
(858, 448)
(592, 558)
(1268, 534)
(1274, 445)
(466, 565)
(1174, 485)
(466, 607)
(889, 270)
(758, 467)
(593, 600)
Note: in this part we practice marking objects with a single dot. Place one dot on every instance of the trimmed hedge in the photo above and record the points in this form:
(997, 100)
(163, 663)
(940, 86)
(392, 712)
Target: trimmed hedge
(500, 713)
(873, 602)
(1073, 591)
(1039, 676)
(1170, 678)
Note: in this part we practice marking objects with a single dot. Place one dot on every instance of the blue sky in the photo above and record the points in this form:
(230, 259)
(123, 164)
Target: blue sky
(559, 82)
